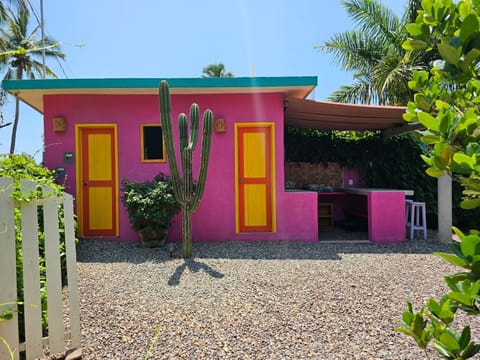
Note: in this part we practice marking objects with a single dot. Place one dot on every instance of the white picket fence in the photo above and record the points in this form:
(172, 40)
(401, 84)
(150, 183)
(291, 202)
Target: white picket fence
(61, 336)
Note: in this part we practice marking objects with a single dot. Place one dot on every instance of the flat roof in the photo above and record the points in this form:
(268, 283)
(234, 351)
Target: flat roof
(31, 92)
(299, 112)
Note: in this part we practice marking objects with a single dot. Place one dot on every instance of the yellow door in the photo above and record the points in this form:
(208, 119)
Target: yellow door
(98, 181)
(254, 178)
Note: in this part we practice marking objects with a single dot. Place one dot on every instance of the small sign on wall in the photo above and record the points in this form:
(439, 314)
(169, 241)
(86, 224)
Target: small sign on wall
(220, 125)
(59, 124)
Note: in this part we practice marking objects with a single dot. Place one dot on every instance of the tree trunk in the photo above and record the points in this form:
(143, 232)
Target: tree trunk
(15, 125)
(13, 139)
(187, 230)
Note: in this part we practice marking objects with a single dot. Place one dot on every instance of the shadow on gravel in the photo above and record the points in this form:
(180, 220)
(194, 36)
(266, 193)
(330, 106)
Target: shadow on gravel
(113, 251)
(193, 266)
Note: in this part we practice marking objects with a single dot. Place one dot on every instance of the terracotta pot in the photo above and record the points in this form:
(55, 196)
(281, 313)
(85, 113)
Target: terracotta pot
(153, 237)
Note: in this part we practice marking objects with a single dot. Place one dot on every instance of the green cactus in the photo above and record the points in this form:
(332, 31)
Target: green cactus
(187, 192)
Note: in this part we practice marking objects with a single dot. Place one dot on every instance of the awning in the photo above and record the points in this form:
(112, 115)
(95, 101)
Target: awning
(323, 115)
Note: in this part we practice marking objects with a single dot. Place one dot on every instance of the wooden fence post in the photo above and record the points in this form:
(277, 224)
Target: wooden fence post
(71, 256)
(31, 274)
(52, 265)
(8, 275)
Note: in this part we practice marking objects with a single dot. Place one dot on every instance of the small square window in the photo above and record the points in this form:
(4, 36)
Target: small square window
(152, 143)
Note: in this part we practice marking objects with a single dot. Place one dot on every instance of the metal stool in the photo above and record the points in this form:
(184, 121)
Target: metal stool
(417, 210)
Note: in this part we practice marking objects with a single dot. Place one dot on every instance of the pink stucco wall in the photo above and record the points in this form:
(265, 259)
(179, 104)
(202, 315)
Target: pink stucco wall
(215, 218)
(386, 216)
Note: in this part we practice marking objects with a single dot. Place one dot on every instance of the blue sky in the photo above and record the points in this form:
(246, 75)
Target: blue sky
(158, 38)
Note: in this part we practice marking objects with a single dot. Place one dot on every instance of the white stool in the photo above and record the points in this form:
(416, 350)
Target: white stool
(408, 211)
(416, 223)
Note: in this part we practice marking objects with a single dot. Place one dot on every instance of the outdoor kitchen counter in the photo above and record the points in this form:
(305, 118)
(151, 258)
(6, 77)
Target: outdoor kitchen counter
(365, 191)
(385, 212)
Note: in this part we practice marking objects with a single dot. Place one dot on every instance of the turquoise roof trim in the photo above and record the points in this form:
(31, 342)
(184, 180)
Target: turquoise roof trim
(32, 92)
(139, 83)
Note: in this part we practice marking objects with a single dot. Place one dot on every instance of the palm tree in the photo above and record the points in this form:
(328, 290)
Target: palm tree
(22, 48)
(216, 71)
(374, 53)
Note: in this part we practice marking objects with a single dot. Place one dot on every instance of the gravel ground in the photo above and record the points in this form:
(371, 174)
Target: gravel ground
(255, 300)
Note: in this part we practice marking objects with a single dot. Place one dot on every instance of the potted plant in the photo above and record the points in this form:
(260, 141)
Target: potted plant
(151, 206)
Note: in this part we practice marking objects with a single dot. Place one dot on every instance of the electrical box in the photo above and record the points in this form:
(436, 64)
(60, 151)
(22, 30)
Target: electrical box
(68, 158)
(60, 172)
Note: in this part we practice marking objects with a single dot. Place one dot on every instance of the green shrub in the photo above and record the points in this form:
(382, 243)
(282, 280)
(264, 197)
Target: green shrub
(151, 203)
(435, 321)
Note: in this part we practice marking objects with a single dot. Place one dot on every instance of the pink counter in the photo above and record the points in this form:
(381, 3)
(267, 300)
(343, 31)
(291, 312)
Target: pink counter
(385, 213)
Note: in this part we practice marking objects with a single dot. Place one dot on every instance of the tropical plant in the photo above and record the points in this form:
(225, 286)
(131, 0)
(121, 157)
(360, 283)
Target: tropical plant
(446, 99)
(381, 67)
(435, 321)
(151, 205)
(216, 71)
(21, 49)
(446, 103)
(186, 191)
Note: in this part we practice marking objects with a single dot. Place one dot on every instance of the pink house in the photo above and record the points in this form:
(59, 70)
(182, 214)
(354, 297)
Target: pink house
(98, 131)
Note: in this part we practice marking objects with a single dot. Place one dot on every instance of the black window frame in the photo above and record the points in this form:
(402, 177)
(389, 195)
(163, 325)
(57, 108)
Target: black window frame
(148, 141)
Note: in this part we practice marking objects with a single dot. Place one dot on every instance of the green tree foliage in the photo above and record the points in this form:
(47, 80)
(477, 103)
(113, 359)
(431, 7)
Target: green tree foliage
(374, 53)
(23, 167)
(446, 102)
(216, 71)
(446, 99)
(21, 50)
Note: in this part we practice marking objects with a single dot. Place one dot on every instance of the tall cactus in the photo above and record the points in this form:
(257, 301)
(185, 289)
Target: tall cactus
(186, 191)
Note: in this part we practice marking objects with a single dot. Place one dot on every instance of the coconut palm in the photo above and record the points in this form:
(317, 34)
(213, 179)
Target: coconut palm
(216, 71)
(21, 49)
(374, 53)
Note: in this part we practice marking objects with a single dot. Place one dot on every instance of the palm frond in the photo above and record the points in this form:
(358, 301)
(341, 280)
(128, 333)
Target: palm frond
(392, 74)
(374, 19)
(18, 4)
(352, 50)
(360, 92)
(9, 75)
